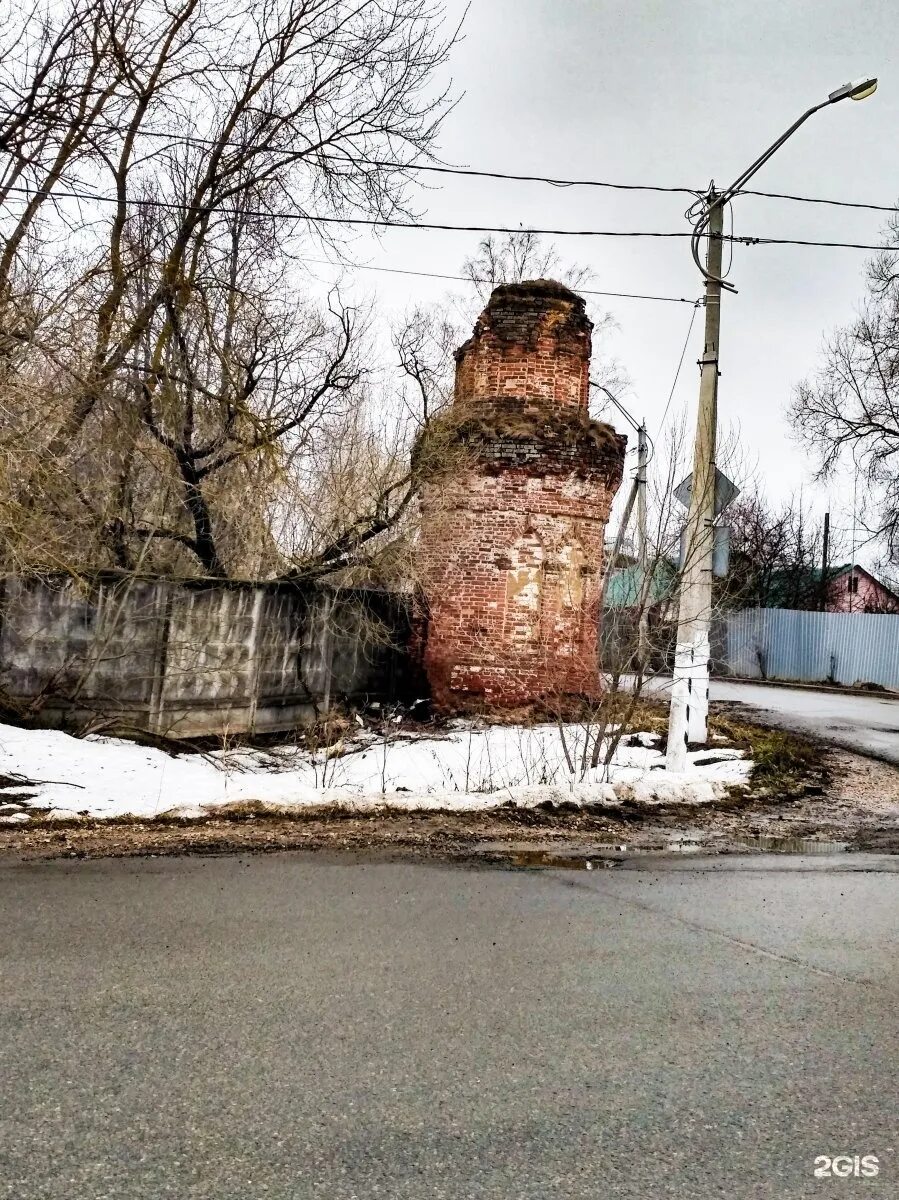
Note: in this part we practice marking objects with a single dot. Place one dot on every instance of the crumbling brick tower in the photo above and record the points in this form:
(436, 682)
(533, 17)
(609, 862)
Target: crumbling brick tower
(518, 483)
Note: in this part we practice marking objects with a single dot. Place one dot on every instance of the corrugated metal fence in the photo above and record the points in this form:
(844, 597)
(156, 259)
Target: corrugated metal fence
(780, 643)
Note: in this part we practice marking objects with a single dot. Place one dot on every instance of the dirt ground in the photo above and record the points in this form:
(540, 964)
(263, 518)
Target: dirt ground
(858, 805)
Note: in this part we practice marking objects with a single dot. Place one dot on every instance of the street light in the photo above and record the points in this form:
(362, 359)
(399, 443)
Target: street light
(860, 90)
(690, 686)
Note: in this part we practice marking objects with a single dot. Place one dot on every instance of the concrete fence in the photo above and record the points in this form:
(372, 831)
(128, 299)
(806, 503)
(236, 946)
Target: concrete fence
(814, 647)
(188, 659)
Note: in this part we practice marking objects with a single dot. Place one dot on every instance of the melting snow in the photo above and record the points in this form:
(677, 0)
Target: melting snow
(465, 768)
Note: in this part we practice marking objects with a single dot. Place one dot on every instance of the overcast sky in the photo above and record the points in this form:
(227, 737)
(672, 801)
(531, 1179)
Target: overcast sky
(675, 93)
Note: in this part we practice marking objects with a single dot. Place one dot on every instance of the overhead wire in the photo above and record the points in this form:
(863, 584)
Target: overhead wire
(751, 240)
(638, 426)
(377, 222)
(697, 304)
(512, 176)
(389, 223)
(470, 279)
(680, 363)
(393, 164)
(613, 399)
(730, 245)
(818, 200)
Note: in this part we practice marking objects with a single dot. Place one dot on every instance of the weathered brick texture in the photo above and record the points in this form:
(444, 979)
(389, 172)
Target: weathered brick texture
(514, 509)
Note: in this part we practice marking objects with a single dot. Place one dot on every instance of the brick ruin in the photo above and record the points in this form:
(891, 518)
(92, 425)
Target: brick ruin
(518, 483)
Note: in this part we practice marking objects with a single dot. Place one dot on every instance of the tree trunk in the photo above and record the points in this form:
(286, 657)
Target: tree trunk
(204, 538)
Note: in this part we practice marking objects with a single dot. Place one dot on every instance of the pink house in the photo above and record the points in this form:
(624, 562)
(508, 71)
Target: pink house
(853, 589)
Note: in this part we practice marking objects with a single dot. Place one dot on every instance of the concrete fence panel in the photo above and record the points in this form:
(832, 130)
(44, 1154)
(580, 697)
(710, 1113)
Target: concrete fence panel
(188, 659)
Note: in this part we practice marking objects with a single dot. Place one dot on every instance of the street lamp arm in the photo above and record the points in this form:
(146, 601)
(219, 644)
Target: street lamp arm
(721, 198)
(854, 91)
(627, 416)
(743, 179)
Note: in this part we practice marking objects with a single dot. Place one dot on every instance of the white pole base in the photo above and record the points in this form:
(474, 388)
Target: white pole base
(688, 721)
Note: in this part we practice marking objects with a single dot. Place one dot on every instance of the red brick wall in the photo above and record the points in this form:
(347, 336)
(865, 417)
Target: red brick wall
(510, 553)
(528, 343)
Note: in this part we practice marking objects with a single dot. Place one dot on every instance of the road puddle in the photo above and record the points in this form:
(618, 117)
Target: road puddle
(549, 859)
(615, 854)
(766, 844)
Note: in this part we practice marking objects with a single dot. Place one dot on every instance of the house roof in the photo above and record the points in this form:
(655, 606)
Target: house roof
(860, 570)
(624, 586)
(784, 585)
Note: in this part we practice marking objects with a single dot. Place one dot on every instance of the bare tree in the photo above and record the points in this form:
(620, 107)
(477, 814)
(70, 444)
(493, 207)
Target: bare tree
(515, 257)
(164, 168)
(425, 343)
(775, 555)
(390, 440)
(850, 409)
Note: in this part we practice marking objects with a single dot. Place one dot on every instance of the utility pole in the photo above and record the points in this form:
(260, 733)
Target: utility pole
(853, 578)
(612, 557)
(822, 599)
(637, 495)
(643, 551)
(690, 688)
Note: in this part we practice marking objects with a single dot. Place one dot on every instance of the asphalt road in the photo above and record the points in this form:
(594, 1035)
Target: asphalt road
(287, 1027)
(868, 724)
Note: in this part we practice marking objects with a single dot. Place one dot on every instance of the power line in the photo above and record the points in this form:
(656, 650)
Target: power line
(387, 223)
(433, 168)
(680, 363)
(697, 304)
(775, 241)
(388, 270)
(626, 187)
(553, 181)
(633, 187)
(632, 420)
(818, 200)
(377, 222)
(469, 279)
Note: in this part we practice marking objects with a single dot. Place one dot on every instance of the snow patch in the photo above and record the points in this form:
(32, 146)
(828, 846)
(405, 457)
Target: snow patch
(15, 818)
(467, 768)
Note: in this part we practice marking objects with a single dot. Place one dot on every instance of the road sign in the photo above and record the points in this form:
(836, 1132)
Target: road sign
(725, 491)
(720, 550)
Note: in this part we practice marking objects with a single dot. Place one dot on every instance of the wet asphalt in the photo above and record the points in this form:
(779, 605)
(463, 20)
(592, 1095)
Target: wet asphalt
(286, 1026)
(866, 724)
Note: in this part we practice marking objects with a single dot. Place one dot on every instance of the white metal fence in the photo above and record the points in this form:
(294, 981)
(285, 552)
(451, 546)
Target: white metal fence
(780, 643)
